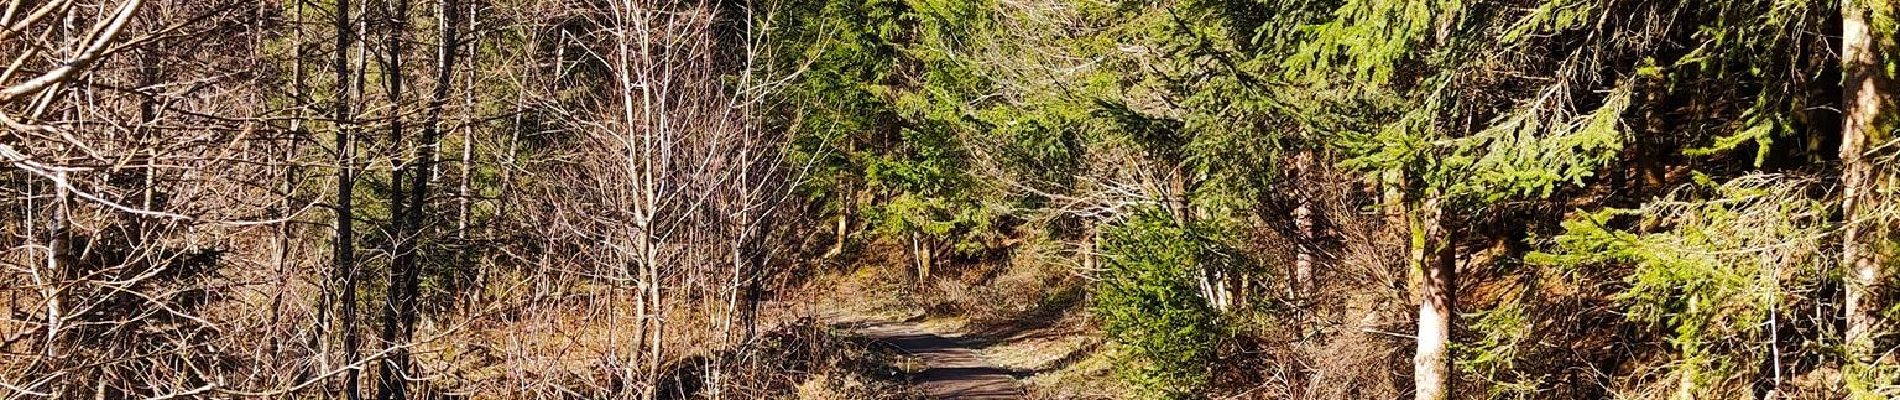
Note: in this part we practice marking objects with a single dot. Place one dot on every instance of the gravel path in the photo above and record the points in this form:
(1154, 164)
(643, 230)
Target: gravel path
(951, 368)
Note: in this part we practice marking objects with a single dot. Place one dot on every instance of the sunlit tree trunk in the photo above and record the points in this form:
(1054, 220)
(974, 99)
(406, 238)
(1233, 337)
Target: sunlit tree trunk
(1303, 226)
(1867, 110)
(648, 140)
(58, 265)
(1090, 232)
(847, 200)
(1434, 266)
(464, 276)
(920, 248)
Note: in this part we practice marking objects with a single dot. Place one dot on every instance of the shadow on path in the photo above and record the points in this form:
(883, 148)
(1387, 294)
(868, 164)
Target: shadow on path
(951, 368)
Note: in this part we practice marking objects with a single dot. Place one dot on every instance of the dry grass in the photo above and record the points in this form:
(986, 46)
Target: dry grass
(1068, 359)
(581, 345)
(826, 386)
(1090, 378)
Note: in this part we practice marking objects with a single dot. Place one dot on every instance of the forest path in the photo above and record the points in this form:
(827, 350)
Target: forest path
(950, 367)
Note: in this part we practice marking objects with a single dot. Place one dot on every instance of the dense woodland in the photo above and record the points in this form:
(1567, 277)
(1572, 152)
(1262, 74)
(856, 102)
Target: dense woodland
(645, 199)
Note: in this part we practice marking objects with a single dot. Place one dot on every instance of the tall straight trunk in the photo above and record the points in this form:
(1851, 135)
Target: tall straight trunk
(645, 115)
(59, 266)
(426, 154)
(1305, 244)
(842, 231)
(1304, 228)
(631, 112)
(1435, 268)
(1089, 234)
(464, 277)
(401, 316)
(1180, 187)
(1237, 289)
(929, 259)
(740, 304)
(393, 371)
(1867, 108)
(280, 254)
(345, 240)
(920, 255)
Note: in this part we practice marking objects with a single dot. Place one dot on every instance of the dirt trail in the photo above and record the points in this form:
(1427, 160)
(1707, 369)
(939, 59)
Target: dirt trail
(951, 368)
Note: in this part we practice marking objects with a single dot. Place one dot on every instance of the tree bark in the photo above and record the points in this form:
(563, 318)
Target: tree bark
(1089, 240)
(345, 240)
(1214, 288)
(464, 278)
(846, 199)
(397, 301)
(405, 276)
(1435, 268)
(920, 248)
(1303, 226)
(1867, 102)
(281, 242)
(59, 266)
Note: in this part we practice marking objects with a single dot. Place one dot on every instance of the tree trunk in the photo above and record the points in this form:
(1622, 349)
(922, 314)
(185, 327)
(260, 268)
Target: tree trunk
(345, 240)
(393, 370)
(464, 277)
(920, 252)
(59, 265)
(1237, 289)
(1089, 239)
(1435, 268)
(281, 243)
(846, 198)
(1867, 115)
(1214, 288)
(400, 317)
(1180, 187)
(1303, 226)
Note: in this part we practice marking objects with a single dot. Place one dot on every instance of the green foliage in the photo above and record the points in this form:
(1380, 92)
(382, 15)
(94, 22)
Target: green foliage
(1763, 43)
(1474, 105)
(1180, 85)
(1531, 150)
(1366, 41)
(1711, 264)
(1551, 17)
(1502, 332)
(1570, 70)
(1150, 303)
(1526, 153)
(1871, 381)
(878, 99)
